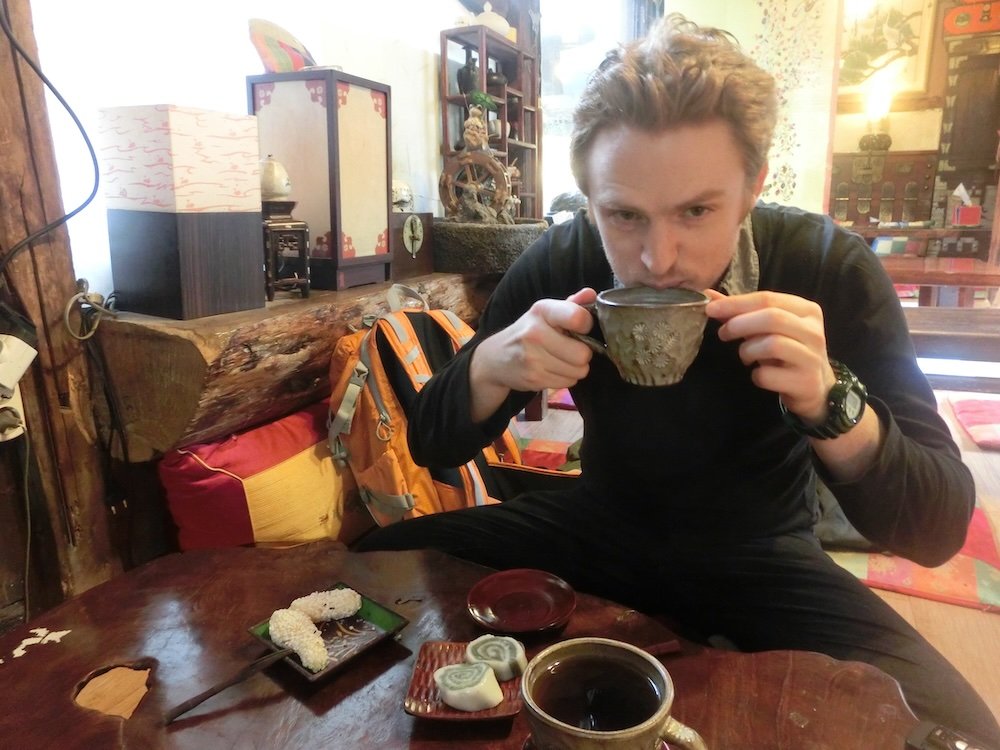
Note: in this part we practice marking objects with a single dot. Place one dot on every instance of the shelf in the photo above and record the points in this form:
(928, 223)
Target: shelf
(929, 233)
(516, 100)
(474, 36)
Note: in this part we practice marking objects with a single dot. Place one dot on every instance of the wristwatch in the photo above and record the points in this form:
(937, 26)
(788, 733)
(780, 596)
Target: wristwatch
(845, 405)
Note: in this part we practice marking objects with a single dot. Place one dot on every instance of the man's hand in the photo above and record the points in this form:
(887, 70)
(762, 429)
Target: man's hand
(784, 342)
(532, 353)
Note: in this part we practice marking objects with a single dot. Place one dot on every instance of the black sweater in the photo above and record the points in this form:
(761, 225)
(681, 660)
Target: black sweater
(711, 455)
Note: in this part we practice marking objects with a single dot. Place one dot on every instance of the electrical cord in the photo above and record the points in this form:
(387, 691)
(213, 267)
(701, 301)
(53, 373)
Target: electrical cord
(27, 523)
(26, 242)
(92, 308)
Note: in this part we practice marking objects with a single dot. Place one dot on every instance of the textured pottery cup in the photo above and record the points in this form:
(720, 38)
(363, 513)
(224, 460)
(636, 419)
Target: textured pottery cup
(652, 335)
(601, 694)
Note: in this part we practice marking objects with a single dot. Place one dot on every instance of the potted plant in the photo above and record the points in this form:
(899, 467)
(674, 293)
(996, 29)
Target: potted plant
(477, 98)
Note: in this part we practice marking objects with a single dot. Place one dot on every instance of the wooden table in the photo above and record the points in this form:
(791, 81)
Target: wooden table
(185, 616)
(932, 273)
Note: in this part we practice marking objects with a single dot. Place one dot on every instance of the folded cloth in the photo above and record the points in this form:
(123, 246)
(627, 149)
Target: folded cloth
(561, 399)
(980, 418)
(543, 454)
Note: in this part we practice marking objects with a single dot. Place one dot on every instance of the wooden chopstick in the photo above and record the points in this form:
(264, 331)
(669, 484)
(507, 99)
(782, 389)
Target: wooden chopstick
(248, 671)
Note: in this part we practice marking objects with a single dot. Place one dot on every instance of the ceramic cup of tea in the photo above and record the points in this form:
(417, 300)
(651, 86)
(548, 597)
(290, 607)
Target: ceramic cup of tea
(652, 335)
(601, 694)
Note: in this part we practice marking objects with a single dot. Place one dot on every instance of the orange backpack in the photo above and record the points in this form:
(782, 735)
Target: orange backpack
(375, 375)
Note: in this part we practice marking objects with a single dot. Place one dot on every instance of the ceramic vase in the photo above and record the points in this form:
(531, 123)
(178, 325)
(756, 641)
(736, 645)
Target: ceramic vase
(468, 77)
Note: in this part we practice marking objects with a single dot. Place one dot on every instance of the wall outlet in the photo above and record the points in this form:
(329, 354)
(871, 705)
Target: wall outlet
(11, 416)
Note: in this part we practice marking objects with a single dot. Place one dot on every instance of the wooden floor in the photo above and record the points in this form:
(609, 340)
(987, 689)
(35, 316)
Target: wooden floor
(970, 639)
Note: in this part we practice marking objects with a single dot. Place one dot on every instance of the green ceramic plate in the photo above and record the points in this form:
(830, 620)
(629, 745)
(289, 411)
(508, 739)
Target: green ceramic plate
(345, 639)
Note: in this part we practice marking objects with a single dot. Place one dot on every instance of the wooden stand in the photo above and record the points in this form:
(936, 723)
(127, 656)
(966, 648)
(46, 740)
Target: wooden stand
(284, 239)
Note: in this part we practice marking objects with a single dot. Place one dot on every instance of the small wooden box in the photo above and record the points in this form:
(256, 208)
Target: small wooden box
(410, 258)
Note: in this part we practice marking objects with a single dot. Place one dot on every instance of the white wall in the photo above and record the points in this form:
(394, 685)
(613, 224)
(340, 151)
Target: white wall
(103, 53)
(795, 42)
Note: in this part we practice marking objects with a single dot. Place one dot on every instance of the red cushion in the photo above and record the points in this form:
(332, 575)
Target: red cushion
(273, 484)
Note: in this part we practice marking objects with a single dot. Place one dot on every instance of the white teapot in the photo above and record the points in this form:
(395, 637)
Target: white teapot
(274, 181)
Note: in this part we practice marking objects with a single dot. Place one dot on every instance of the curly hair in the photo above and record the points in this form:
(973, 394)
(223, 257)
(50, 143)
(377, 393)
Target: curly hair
(679, 74)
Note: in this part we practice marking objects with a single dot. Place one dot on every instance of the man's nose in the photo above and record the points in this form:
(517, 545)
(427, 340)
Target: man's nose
(659, 252)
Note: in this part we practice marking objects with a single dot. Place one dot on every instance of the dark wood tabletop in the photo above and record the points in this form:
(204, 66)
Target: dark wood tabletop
(185, 617)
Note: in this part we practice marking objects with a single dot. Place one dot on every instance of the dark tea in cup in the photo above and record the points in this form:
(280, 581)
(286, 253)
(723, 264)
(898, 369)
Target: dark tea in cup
(596, 693)
(601, 694)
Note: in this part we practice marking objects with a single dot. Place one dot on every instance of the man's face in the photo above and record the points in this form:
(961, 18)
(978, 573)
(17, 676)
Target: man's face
(669, 204)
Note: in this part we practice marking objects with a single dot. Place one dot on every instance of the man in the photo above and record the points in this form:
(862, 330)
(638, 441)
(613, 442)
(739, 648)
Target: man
(697, 500)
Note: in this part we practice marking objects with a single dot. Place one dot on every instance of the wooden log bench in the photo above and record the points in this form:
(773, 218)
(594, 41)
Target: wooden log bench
(179, 382)
(971, 334)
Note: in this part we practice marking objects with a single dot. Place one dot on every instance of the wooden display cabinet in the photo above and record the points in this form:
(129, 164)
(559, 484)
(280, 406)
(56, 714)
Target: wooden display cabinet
(331, 132)
(517, 141)
(869, 187)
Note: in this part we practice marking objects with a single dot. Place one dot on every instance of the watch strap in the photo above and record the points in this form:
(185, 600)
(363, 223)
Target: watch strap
(838, 421)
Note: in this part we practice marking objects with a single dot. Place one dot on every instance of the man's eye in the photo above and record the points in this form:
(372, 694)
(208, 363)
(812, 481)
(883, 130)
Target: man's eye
(696, 211)
(623, 215)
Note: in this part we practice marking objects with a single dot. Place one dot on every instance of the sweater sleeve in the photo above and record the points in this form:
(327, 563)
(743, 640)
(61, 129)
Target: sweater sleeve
(916, 500)
(564, 259)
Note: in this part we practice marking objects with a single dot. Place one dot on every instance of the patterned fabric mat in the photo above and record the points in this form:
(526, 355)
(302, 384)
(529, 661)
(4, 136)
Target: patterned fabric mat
(980, 418)
(970, 579)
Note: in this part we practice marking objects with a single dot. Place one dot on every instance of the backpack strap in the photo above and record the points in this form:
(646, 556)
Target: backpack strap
(395, 506)
(340, 423)
(457, 328)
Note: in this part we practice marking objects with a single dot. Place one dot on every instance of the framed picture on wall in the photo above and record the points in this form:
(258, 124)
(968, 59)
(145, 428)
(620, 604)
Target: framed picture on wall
(891, 38)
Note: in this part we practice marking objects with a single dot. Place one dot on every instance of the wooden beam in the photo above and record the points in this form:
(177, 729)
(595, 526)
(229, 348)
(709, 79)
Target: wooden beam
(40, 282)
(182, 382)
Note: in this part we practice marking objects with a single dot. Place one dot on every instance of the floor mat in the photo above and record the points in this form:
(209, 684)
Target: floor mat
(560, 399)
(970, 579)
(543, 454)
(980, 418)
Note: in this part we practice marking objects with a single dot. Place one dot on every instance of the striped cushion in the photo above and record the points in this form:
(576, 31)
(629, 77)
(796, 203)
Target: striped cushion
(274, 484)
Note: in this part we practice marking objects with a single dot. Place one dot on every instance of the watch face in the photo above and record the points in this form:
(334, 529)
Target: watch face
(853, 405)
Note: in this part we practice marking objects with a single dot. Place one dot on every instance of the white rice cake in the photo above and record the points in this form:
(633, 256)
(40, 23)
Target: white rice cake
(504, 655)
(468, 687)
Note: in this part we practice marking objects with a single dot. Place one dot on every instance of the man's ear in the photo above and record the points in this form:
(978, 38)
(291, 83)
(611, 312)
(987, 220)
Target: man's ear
(758, 185)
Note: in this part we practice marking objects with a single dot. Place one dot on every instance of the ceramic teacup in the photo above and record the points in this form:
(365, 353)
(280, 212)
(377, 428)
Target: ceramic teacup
(601, 694)
(652, 335)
